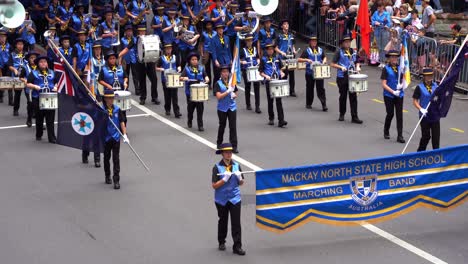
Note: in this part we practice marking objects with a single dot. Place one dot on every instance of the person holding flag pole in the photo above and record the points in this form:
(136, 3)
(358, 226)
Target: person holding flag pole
(428, 93)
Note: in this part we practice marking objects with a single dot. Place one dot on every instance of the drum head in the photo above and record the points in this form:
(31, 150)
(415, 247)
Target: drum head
(122, 93)
(358, 76)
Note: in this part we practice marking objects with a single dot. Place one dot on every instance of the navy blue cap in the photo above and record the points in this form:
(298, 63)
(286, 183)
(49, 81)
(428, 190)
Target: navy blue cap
(313, 37)
(110, 54)
(64, 37)
(428, 71)
(193, 54)
(109, 93)
(20, 39)
(392, 53)
(36, 61)
(267, 18)
(30, 54)
(224, 147)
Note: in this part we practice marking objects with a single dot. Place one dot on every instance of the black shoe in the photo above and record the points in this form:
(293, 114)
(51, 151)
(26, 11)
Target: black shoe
(324, 108)
(341, 118)
(258, 111)
(38, 138)
(249, 107)
(15, 113)
(222, 247)
(238, 251)
(29, 123)
(52, 141)
(116, 185)
(156, 102)
(84, 159)
(282, 123)
(293, 95)
(201, 129)
(97, 164)
(400, 139)
(271, 123)
(168, 113)
(356, 120)
(386, 136)
(142, 102)
(235, 151)
(108, 180)
(189, 124)
(308, 107)
(1, 99)
(178, 115)
(137, 92)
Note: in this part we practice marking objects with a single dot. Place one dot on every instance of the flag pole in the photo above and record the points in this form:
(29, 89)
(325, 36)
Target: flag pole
(429, 104)
(57, 52)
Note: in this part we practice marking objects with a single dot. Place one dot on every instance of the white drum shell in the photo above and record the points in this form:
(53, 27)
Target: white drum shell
(358, 83)
(48, 101)
(173, 80)
(148, 48)
(301, 65)
(279, 88)
(123, 100)
(199, 92)
(253, 75)
(321, 71)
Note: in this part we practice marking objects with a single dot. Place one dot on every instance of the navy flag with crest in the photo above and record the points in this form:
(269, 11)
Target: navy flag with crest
(81, 121)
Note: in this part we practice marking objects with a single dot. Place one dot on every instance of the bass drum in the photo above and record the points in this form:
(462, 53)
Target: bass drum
(148, 48)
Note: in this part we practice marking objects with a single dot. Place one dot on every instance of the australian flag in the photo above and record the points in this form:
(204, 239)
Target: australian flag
(81, 121)
(442, 96)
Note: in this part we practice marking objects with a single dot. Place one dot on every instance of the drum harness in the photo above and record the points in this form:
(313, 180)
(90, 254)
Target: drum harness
(116, 84)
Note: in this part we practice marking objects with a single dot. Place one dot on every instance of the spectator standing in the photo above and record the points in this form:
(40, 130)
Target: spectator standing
(428, 19)
(381, 22)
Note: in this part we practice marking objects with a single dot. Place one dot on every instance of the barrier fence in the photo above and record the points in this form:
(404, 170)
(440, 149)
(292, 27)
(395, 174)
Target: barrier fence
(306, 19)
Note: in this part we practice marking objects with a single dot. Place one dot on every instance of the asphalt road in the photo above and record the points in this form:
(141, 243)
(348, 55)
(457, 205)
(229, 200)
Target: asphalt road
(56, 210)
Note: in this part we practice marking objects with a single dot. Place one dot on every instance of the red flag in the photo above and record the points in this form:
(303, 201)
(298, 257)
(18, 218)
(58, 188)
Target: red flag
(364, 25)
(213, 5)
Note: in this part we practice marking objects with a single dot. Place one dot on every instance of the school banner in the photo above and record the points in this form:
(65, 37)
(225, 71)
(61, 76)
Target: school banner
(353, 192)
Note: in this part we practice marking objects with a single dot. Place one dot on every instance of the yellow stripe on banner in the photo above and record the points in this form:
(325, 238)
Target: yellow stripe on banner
(380, 177)
(332, 83)
(377, 101)
(457, 130)
(459, 199)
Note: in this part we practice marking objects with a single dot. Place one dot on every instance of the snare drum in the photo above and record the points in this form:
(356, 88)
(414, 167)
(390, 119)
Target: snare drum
(173, 80)
(48, 101)
(321, 71)
(148, 48)
(292, 64)
(301, 65)
(279, 88)
(123, 100)
(253, 75)
(357, 83)
(199, 92)
(6, 83)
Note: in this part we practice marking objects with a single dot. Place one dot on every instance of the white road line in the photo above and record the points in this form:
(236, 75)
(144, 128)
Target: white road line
(370, 227)
(19, 126)
(243, 89)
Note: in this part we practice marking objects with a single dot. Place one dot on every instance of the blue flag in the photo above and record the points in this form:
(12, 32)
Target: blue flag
(442, 96)
(81, 121)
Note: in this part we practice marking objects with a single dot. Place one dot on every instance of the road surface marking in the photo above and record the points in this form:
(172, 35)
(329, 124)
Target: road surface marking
(457, 130)
(252, 166)
(377, 101)
(332, 83)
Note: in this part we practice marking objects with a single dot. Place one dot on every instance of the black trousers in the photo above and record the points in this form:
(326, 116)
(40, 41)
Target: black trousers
(171, 96)
(393, 105)
(248, 88)
(292, 81)
(223, 118)
(216, 73)
(191, 106)
(208, 70)
(97, 155)
(183, 57)
(17, 100)
(49, 116)
(132, 67)
(310, 85)
(147, 69)
(29, 108)
(429, 129)
(343, 87)
(223, 218)
(279, 105)
(112, 148)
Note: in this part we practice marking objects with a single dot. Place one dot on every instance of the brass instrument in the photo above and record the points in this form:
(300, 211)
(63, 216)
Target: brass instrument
(125, 19)
(199, 17)
(140, 16)
(116, 28)
(250, 29)
(187, 35)
(65, 26)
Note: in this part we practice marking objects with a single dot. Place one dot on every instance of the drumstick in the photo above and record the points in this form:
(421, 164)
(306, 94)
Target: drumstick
(242, 172)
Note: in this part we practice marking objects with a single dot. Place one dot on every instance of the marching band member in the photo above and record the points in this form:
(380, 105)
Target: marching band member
(158, 21)
(130, 58)
(81, 52)
(4, 58)
(393, 95)
(108, 32)
(421, 97)
(231, 23)
(65, 49)
(52, 36)
(42, 80)
(265, 35)
(221, 52)
(345, 59)
(113, 77)
(39, 9)
(16, 65)
(65, 12)
(121, 11)
(227, 197)
(77, 21)
(147, 69)
(314, 54)
(205, 48)
(52, 13)
(187, 46)
(218, 14)
(249, 57)
(170, 24)
(193, 73)
(286, 46)
(270, 66)
(137, 7)
(227, 108)
(246, 24)
(112, 138)
(98, 63)
(94, 28)
(26, 32)
(29, 67)
(169, 62)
